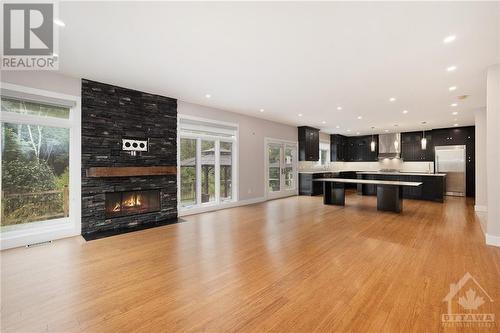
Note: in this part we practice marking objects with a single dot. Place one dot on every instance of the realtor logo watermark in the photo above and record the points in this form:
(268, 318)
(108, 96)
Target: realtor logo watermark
(29, 36)
(468, 305)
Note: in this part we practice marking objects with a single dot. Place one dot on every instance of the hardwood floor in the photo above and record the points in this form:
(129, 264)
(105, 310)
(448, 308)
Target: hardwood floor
(289, 265)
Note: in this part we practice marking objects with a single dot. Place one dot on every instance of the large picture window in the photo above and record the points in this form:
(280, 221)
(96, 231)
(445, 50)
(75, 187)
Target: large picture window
(37, 165)
(207, 163)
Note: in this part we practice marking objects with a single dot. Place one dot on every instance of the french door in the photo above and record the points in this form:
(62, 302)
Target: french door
(281, 169)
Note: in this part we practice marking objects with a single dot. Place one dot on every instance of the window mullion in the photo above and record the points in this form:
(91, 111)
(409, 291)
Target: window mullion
(217, 171)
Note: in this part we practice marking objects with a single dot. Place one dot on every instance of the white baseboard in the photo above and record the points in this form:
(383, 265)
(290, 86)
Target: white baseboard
(493, 240)
(199, 210)
(480, 208)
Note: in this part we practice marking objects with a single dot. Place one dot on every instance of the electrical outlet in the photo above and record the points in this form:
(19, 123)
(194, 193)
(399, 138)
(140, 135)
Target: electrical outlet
(134, 145)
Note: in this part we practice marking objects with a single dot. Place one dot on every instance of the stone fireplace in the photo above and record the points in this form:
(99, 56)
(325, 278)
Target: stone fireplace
(122, 190)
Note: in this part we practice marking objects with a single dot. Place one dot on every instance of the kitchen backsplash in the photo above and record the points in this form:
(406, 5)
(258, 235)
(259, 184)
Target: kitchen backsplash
(393, 164)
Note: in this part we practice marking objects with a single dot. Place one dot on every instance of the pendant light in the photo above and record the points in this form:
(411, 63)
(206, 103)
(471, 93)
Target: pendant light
(423, 142)
(372, 144)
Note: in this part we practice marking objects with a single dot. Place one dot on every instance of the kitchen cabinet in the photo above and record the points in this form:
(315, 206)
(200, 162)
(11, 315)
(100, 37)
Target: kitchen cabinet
(308, 143)
(307, 185)
(411, 147)
(338, 146)
(359, 149)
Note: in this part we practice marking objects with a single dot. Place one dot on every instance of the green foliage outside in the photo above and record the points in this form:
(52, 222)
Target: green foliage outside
(35, 162)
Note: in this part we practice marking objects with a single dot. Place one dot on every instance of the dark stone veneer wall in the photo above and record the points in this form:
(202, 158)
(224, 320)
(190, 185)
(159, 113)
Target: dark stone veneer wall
(110, 113)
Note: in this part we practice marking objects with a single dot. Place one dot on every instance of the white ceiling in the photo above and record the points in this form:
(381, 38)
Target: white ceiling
(291, 58)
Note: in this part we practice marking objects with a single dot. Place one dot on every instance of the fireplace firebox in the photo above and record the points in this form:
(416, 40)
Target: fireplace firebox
(132, 203)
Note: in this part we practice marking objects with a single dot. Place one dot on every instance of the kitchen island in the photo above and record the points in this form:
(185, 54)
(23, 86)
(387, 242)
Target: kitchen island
(433, 184)
(389, 193)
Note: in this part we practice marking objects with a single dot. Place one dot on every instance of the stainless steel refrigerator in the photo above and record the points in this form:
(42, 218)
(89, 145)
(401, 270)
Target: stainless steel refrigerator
(451, 161)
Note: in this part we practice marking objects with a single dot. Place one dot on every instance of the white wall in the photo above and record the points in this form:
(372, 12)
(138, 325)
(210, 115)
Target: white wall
(251, 144)
(481, 177)
(45, 80)
(493, 154)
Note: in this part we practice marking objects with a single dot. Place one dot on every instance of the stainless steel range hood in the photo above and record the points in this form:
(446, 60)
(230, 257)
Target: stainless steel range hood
(389, 145)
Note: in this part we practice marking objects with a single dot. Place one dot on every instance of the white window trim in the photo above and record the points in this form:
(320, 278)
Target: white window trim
(57, 228)
(217, 204)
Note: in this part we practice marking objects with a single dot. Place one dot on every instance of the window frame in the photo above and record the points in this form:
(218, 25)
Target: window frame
(42, 231)
(212, 126)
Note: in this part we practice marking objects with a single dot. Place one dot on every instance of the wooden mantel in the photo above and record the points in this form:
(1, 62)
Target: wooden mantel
(131, 171)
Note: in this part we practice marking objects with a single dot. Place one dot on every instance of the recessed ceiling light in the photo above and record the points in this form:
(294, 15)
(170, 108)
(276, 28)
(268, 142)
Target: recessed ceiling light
(55, 55)
(300, 115)
(386, 131)
(348, 130)
(339, 108)
(337, 126)
(454, 113)
(323, 122)
(261, 110)
(449, 39)
(59, 22)
(453, 104)
(357, 133)
(451, 68)
(405, 111)
(392, 99)
(360, 117)
(452, 88)
(455, 125)
(208, 96)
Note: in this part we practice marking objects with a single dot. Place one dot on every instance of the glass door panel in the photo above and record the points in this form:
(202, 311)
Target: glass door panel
(274, 169)
(207, 171)
(188, 171)
(281, 169)
(226, 170)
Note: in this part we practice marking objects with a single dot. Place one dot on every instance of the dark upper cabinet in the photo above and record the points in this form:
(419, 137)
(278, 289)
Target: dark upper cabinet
(353, 148)
(338, 148)
(308, 143)
(358, 149)
(411, 147)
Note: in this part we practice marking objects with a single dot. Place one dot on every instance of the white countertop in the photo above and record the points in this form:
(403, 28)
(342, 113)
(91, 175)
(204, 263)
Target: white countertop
(404, 173)
(400, 173)
(368, 181)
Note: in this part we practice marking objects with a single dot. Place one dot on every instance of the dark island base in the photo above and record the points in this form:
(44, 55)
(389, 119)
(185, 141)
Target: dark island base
(389, 197)
(119, 231)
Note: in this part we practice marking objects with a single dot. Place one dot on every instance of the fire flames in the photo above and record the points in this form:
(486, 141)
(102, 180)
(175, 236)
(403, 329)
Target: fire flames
(130, 202)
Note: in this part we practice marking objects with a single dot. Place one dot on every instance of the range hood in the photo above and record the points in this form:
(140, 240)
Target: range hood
(389, 145)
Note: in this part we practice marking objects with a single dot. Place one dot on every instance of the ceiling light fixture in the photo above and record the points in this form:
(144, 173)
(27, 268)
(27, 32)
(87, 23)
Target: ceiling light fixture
(451, 68)
(323, 122)
(261, 110)
(358, 133)
(59, 23)
(454, 113)
(405, 111)
(455, 125)
(360, 117)
(339, 108)
(208, 96)
(386, 130)
(300, 115)
(348, 130)
(453, 104)
(392, 99)
(452, 88)
(337, 126)
(423, 141)
(449, 39)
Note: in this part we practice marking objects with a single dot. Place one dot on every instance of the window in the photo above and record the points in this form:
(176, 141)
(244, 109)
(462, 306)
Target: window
(39, 159)
(206, 161)
(324, 153)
